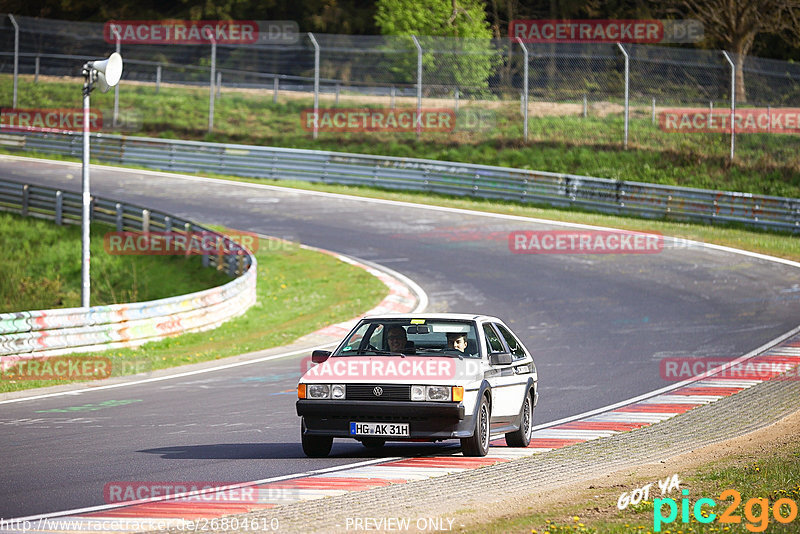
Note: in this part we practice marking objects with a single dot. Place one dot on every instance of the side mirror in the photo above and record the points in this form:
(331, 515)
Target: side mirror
(500, 358)
(319, 356)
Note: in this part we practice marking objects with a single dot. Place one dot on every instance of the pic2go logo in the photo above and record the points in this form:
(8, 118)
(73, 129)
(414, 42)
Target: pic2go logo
(784, 511)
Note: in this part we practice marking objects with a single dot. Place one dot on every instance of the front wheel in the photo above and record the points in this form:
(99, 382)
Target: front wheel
(315, 446)
(478, 443)
(522, 436)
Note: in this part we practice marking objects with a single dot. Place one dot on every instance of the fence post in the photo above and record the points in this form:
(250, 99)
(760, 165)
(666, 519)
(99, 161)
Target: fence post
(25, 200)
(16, 57)
(525, 88)
(120, 213)
(275, 90)
(733, 102)
(145, 221)
(59, 207)
(219, 83)
(211, 81)
(419, 85)
(585, 106)
(158, 78)
(316, 83)
(627, 87)
(36, 70)
(769, 118)
(654, 111)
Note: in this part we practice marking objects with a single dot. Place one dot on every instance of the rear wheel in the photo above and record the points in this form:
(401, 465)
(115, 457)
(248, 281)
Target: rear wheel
(373, 443)
(522, 436)
(478, 443)
(315, 446)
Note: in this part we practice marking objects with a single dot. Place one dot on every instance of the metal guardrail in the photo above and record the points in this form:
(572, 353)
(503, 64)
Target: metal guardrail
(478, 181)
(31, 334)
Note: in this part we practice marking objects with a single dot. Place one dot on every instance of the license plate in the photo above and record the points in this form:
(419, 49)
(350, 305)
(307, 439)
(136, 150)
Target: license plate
(379, 429)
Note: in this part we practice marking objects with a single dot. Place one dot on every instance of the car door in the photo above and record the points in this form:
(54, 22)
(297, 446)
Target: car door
(506, 386)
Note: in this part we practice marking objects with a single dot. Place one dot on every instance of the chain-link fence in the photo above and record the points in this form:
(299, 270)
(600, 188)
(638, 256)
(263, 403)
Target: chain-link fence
(677, 99)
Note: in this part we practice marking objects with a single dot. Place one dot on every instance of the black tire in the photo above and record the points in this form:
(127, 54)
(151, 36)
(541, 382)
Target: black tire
(373, 443)
(522, 436)
(478, 443)
(315, 446)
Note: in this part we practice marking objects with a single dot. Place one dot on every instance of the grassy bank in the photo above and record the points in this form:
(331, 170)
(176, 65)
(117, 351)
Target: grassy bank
(298, 291)
(771, 477)
(560, 139)
(41, 266)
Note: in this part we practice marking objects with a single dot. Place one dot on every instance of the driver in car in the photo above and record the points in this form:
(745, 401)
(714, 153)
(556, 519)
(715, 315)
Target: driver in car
(457, 341)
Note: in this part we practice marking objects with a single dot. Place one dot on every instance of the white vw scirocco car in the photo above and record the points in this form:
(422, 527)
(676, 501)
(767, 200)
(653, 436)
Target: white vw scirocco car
(420, 377)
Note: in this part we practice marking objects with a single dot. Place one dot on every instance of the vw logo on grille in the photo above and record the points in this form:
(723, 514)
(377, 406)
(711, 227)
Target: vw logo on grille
(378, 391)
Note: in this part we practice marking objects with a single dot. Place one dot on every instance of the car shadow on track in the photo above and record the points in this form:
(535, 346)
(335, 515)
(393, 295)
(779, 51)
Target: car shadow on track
(255, 451)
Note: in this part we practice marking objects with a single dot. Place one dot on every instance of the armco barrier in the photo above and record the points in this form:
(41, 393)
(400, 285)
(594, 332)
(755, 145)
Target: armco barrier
(480, 181)
(62, 331)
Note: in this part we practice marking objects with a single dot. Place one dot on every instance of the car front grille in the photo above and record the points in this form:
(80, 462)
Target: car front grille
(388, 392)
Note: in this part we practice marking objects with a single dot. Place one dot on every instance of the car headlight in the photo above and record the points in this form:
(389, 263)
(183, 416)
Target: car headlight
(321, 391)
(437, 393)
(318, 391)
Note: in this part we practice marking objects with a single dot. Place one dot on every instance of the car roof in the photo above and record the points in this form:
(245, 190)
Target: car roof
(435, 316)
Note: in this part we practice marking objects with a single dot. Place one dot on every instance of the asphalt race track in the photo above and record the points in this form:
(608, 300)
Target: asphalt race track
(597, 324)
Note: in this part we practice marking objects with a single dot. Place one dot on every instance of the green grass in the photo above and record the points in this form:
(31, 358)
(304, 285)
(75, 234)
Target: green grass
(766, 164)
(771, 477)
(298, 291)
(41, 266)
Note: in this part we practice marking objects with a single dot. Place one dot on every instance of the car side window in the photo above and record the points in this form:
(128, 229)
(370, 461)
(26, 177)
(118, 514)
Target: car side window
(517, 352)
(495, 345)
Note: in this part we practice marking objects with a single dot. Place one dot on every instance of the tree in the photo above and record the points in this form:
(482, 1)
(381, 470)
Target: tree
(467, 62)
(433, 17)
(735, 24)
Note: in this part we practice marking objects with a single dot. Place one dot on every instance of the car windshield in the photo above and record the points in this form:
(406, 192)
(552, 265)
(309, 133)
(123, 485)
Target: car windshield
(412, 337)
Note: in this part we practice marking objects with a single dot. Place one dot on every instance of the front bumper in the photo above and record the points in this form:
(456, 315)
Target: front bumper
(426, 420)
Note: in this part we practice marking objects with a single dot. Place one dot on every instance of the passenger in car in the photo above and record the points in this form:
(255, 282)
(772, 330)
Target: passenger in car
(396, 336)
(457, 341)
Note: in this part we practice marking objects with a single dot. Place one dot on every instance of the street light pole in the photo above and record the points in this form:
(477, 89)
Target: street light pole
(103, 74)
(87, 198)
